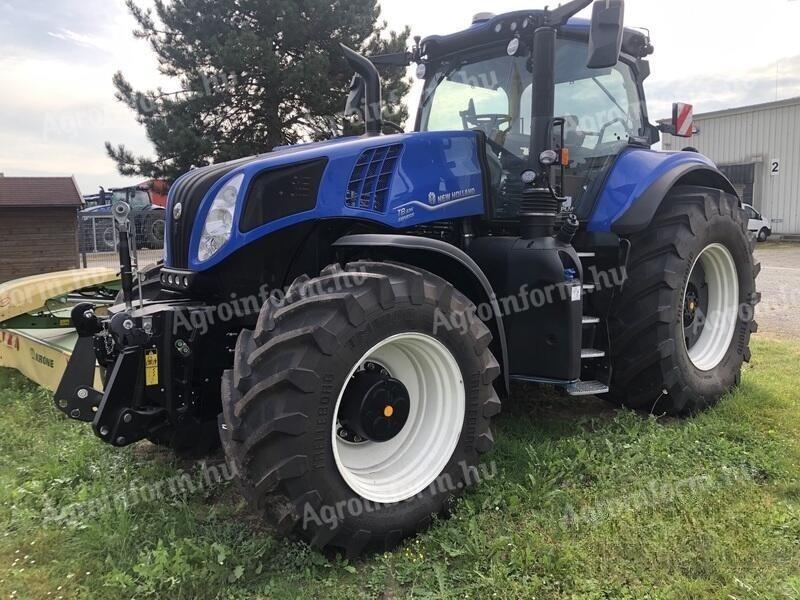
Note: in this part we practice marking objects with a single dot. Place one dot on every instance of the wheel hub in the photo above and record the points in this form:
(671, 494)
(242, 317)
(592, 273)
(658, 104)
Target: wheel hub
(374, 408)
(691, 305)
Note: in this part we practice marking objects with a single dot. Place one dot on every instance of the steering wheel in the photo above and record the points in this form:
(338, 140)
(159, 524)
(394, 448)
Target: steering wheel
(488, 122)
(491, 120)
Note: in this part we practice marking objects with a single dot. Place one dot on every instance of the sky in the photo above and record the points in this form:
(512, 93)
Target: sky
(57, 58)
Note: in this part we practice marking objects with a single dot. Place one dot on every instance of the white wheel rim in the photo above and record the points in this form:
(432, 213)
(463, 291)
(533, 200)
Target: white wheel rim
(720, 319)
(407, 464)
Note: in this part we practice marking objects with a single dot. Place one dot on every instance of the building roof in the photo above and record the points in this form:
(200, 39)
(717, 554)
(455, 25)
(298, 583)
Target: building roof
(748, 109)
(21, 192)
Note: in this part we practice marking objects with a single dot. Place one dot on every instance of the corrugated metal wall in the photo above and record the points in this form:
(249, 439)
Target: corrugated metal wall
(756, 136)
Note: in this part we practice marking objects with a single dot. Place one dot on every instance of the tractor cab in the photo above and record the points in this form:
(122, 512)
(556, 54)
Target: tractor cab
(483, 80)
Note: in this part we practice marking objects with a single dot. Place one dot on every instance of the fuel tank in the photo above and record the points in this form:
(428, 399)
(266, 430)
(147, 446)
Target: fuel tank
(539, 292)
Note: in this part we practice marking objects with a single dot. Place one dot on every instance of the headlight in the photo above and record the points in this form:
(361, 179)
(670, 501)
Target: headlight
(219, 223)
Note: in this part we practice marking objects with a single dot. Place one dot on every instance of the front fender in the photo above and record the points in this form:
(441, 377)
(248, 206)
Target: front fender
(641, 179)
(448, 262)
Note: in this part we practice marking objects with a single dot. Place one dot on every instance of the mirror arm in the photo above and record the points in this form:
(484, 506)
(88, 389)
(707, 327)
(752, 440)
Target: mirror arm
(558, 17)
(667, 128)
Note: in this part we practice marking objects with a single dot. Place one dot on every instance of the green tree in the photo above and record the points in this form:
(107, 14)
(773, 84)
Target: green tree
(253, 75)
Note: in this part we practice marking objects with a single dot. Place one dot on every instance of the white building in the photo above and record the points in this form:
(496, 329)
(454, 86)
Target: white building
(758, 148)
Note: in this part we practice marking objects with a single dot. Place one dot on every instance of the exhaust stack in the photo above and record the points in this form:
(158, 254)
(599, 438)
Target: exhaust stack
(372, 87)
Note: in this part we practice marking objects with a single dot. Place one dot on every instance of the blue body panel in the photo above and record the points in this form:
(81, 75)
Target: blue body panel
(631, 175)
(438, 177)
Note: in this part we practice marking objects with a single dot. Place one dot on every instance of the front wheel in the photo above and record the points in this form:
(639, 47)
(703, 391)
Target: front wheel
(356, 410)
(763, 235)
(681, 329)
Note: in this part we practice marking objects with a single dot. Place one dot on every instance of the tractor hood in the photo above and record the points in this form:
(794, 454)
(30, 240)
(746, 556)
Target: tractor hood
(96, 211)
(396, 181)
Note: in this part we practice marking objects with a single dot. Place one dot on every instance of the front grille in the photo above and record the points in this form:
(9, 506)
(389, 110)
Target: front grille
(372, 178)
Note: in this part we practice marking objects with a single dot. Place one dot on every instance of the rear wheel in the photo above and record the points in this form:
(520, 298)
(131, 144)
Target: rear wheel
(681, 329)
(349, 416)
(154, 232)
(106, 239)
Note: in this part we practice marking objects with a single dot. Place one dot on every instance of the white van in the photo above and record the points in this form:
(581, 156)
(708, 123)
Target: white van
(758, 224)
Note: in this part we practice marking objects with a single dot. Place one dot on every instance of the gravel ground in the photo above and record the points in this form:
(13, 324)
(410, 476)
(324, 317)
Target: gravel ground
(778, 315)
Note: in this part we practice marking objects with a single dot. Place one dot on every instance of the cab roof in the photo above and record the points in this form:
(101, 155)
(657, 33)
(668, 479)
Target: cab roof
(503, 27)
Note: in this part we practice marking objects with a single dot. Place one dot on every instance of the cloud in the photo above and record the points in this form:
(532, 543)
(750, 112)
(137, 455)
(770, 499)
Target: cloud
(70, 29)
(86, 41)
(730, 89)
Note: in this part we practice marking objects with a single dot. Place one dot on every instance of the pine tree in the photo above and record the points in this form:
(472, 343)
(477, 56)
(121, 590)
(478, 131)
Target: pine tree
(253, 75)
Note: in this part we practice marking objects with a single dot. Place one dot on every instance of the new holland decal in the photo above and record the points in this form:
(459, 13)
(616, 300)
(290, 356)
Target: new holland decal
(435, 202)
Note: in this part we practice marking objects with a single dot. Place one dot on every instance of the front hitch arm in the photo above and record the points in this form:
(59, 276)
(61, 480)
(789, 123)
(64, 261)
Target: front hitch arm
(75, 396)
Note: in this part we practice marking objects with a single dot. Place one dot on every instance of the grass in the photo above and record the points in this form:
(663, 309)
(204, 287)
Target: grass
(587, 502)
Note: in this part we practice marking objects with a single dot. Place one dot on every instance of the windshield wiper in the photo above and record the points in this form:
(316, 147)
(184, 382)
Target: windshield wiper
(445, 74)
(610, 95)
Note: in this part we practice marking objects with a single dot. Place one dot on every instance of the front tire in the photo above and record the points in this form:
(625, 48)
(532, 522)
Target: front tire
(681, 329)
(763, 235)
(286, 431)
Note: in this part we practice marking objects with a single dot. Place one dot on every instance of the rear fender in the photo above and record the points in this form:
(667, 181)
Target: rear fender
(641, 179)
(440, 258)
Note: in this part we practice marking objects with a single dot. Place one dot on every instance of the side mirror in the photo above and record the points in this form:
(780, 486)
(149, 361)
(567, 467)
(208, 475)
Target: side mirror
(355, 100)
(605, 36)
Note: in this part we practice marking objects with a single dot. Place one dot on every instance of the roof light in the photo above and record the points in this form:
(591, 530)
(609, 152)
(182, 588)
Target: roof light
(482, 17)
(513, 47)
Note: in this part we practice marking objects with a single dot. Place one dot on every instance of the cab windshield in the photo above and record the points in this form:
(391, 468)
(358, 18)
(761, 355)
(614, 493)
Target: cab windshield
(492, 92)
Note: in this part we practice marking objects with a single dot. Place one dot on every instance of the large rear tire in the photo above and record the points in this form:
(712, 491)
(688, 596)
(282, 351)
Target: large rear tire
(681, 329)
(285, 424)
(154, 232)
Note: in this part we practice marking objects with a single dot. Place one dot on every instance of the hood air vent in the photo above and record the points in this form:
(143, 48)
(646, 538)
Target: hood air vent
(372, 178)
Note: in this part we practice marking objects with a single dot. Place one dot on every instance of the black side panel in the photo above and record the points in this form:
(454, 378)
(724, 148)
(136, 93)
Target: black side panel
(641, 214)
(541, 305)
(281, 193)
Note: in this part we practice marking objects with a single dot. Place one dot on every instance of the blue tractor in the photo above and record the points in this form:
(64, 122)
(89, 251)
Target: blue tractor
(347, 316)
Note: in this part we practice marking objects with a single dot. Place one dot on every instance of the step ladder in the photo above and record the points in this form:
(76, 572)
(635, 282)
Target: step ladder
(589, 354)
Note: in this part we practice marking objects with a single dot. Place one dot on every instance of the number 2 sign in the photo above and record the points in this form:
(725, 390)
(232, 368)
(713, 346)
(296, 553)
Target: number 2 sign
(775, 167)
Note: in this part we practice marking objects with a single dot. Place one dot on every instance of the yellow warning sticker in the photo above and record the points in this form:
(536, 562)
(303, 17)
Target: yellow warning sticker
(151, 368)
